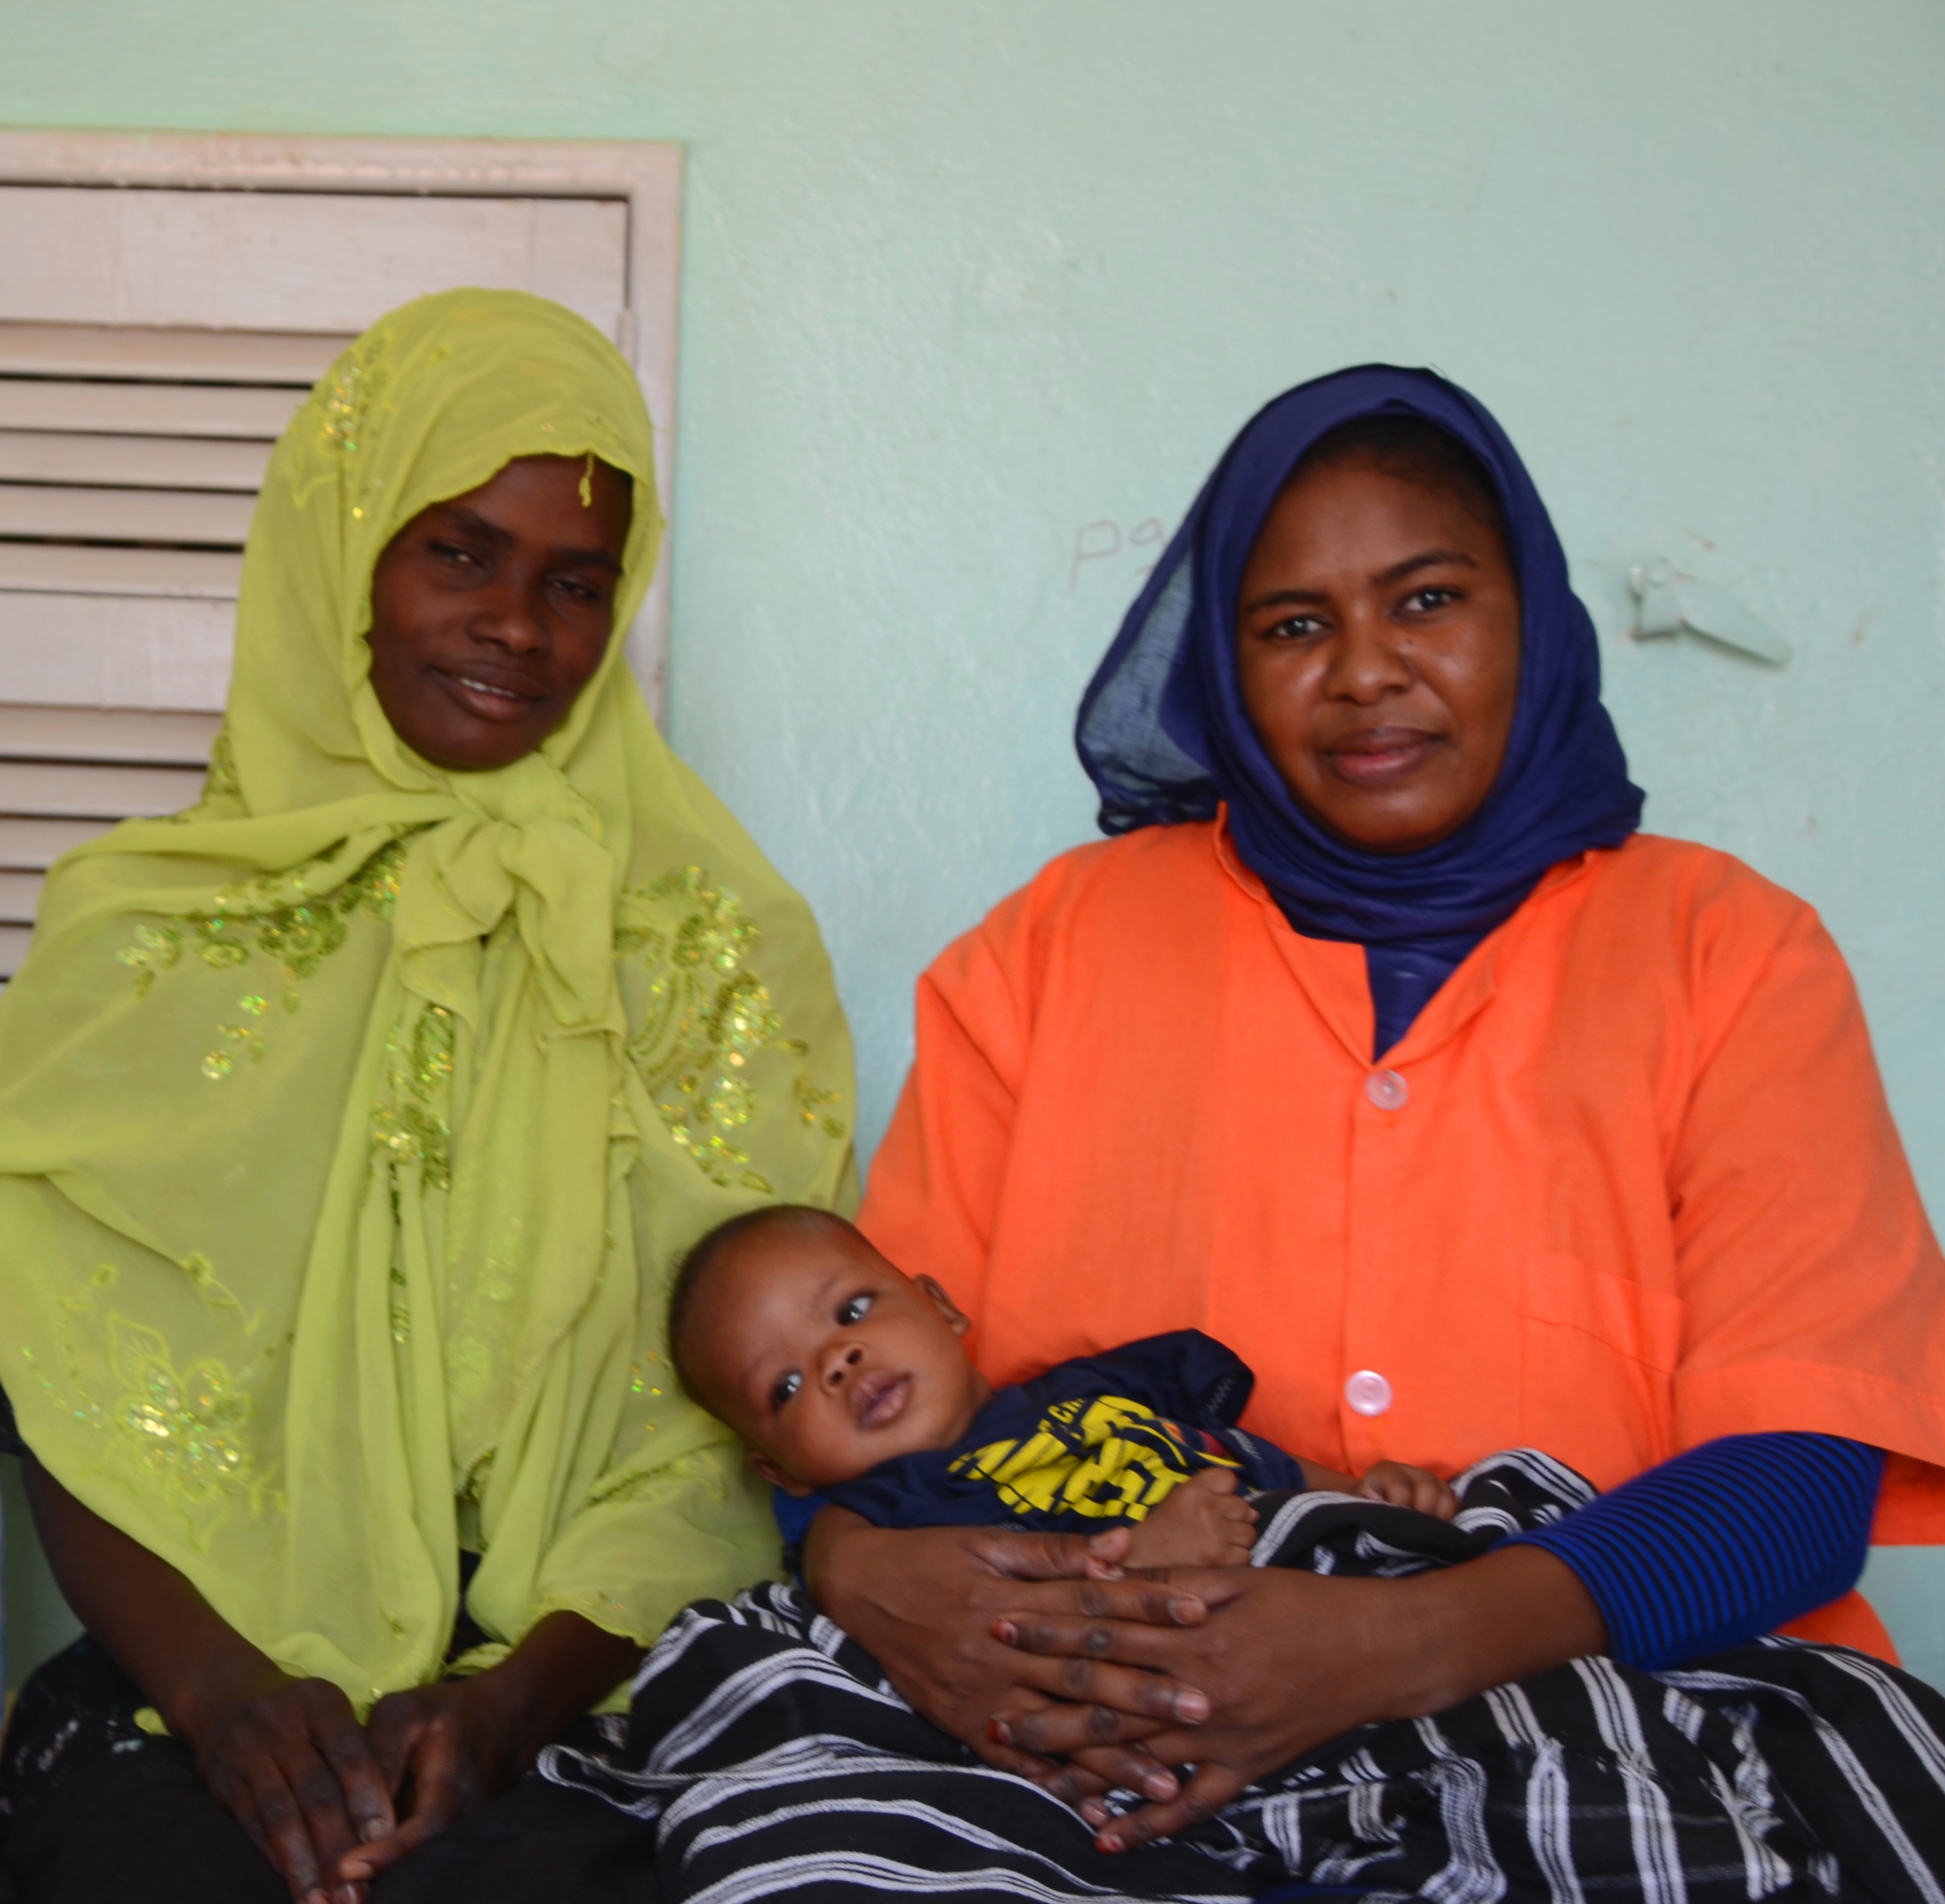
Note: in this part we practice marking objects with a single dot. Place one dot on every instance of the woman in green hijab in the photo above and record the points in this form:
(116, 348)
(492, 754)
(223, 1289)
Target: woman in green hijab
(349, 1123)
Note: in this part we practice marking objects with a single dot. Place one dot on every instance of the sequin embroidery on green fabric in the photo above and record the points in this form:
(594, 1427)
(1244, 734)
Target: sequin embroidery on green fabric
(186, 1430)
(189, 1427)
(415, 1127)
(220, 781)
(277, 917)
(347, 394)
(710, 1015)
(345, 404)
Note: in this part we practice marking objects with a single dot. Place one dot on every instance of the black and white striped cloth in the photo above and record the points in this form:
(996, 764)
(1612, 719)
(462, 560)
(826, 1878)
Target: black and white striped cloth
(780, 1763)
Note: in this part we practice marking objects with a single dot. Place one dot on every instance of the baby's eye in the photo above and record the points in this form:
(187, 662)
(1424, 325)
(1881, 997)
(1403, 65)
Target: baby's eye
(786, 1386)
(855, 1310)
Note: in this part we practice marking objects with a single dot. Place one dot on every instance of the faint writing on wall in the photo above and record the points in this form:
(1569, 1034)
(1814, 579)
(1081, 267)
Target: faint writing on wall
(1107, 552)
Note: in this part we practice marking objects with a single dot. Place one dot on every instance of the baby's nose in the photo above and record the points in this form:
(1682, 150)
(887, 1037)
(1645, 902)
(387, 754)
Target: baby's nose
(843, 1363)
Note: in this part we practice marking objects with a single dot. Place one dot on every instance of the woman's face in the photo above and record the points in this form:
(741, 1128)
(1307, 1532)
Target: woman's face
(1378, 649)
(490, 612)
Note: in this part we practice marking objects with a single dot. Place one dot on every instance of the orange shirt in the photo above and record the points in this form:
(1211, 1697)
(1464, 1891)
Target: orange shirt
(1629, 1183)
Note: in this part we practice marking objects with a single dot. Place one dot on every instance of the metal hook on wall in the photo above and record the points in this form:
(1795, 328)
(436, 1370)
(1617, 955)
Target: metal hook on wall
(1666, 602)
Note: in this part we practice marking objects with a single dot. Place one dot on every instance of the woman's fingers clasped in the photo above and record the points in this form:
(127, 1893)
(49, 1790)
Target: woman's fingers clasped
(1287, 1660)
(1095, 1701)
(1092, 1709)
(1055, 1616)
(442, 1754)
(1210, 1788)
(1080, 1779)
(296, 1769)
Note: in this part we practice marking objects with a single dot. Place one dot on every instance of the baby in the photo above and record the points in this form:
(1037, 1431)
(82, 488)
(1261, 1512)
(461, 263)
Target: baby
(849, 1382)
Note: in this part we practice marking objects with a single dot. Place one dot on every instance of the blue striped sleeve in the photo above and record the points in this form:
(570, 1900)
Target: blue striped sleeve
(1723, 1543)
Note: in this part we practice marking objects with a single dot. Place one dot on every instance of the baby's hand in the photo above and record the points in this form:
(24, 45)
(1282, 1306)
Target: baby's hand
(1409, 1487)
(1204, 1523)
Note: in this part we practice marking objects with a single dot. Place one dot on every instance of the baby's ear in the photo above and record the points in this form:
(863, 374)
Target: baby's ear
(955, 1318)
(778, 1477)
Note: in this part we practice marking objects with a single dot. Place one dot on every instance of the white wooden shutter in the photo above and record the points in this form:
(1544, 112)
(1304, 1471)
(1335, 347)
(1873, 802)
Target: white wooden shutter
(68, 773)
(130, 459)
(153, 343)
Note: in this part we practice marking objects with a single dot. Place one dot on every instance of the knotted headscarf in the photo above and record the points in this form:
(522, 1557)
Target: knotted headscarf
(350, 1122)
(1164, 734)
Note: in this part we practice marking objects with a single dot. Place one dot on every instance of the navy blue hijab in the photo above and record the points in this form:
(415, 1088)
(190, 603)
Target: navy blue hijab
(1163, 736)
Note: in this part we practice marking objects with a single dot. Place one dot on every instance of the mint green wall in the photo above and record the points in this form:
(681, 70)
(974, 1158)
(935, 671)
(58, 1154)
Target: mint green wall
(973, 285)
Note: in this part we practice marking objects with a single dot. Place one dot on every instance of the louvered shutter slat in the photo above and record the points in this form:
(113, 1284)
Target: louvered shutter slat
(123, 514)
(155, 351)
(20, 894)
(149, 462)
(39, 790)
(12, 948)
(138, 650)
(59, 569)
(132, 735)
(148, 409)
(39, 843)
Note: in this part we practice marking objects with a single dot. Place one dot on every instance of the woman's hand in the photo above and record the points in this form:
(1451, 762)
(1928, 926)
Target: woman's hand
(288, 1759)
(286, 1755)
(446, 1749)
(924, 1602)
(1289, 1660)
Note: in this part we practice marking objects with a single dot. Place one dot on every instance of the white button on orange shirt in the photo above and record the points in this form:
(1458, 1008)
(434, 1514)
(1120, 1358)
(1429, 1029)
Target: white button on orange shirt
(1387, 1090)
(1367, 1392)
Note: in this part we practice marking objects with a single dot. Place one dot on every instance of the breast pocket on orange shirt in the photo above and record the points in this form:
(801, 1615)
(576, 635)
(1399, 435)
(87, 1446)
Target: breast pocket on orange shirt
(1599, 1359)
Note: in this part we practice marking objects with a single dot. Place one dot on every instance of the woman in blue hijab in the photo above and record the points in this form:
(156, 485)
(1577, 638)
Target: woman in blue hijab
(1646, 1175)
(1165, 736)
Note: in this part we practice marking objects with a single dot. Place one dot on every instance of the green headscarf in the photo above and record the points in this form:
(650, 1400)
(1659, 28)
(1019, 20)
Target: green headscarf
(351, 1121)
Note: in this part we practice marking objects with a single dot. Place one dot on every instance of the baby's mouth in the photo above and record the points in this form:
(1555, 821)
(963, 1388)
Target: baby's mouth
(879, 1398)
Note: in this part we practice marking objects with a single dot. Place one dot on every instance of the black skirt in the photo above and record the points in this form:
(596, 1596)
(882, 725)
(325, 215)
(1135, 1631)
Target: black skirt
(96, 1810)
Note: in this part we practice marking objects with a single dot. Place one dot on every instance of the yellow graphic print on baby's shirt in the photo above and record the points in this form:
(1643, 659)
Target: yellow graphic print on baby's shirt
(1107, 1456)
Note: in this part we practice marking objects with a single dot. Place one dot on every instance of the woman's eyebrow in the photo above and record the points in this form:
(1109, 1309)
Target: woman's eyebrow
(587, 558)
(1397, 572)
(461, 520)
(1283, 598)
(1425, 559)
